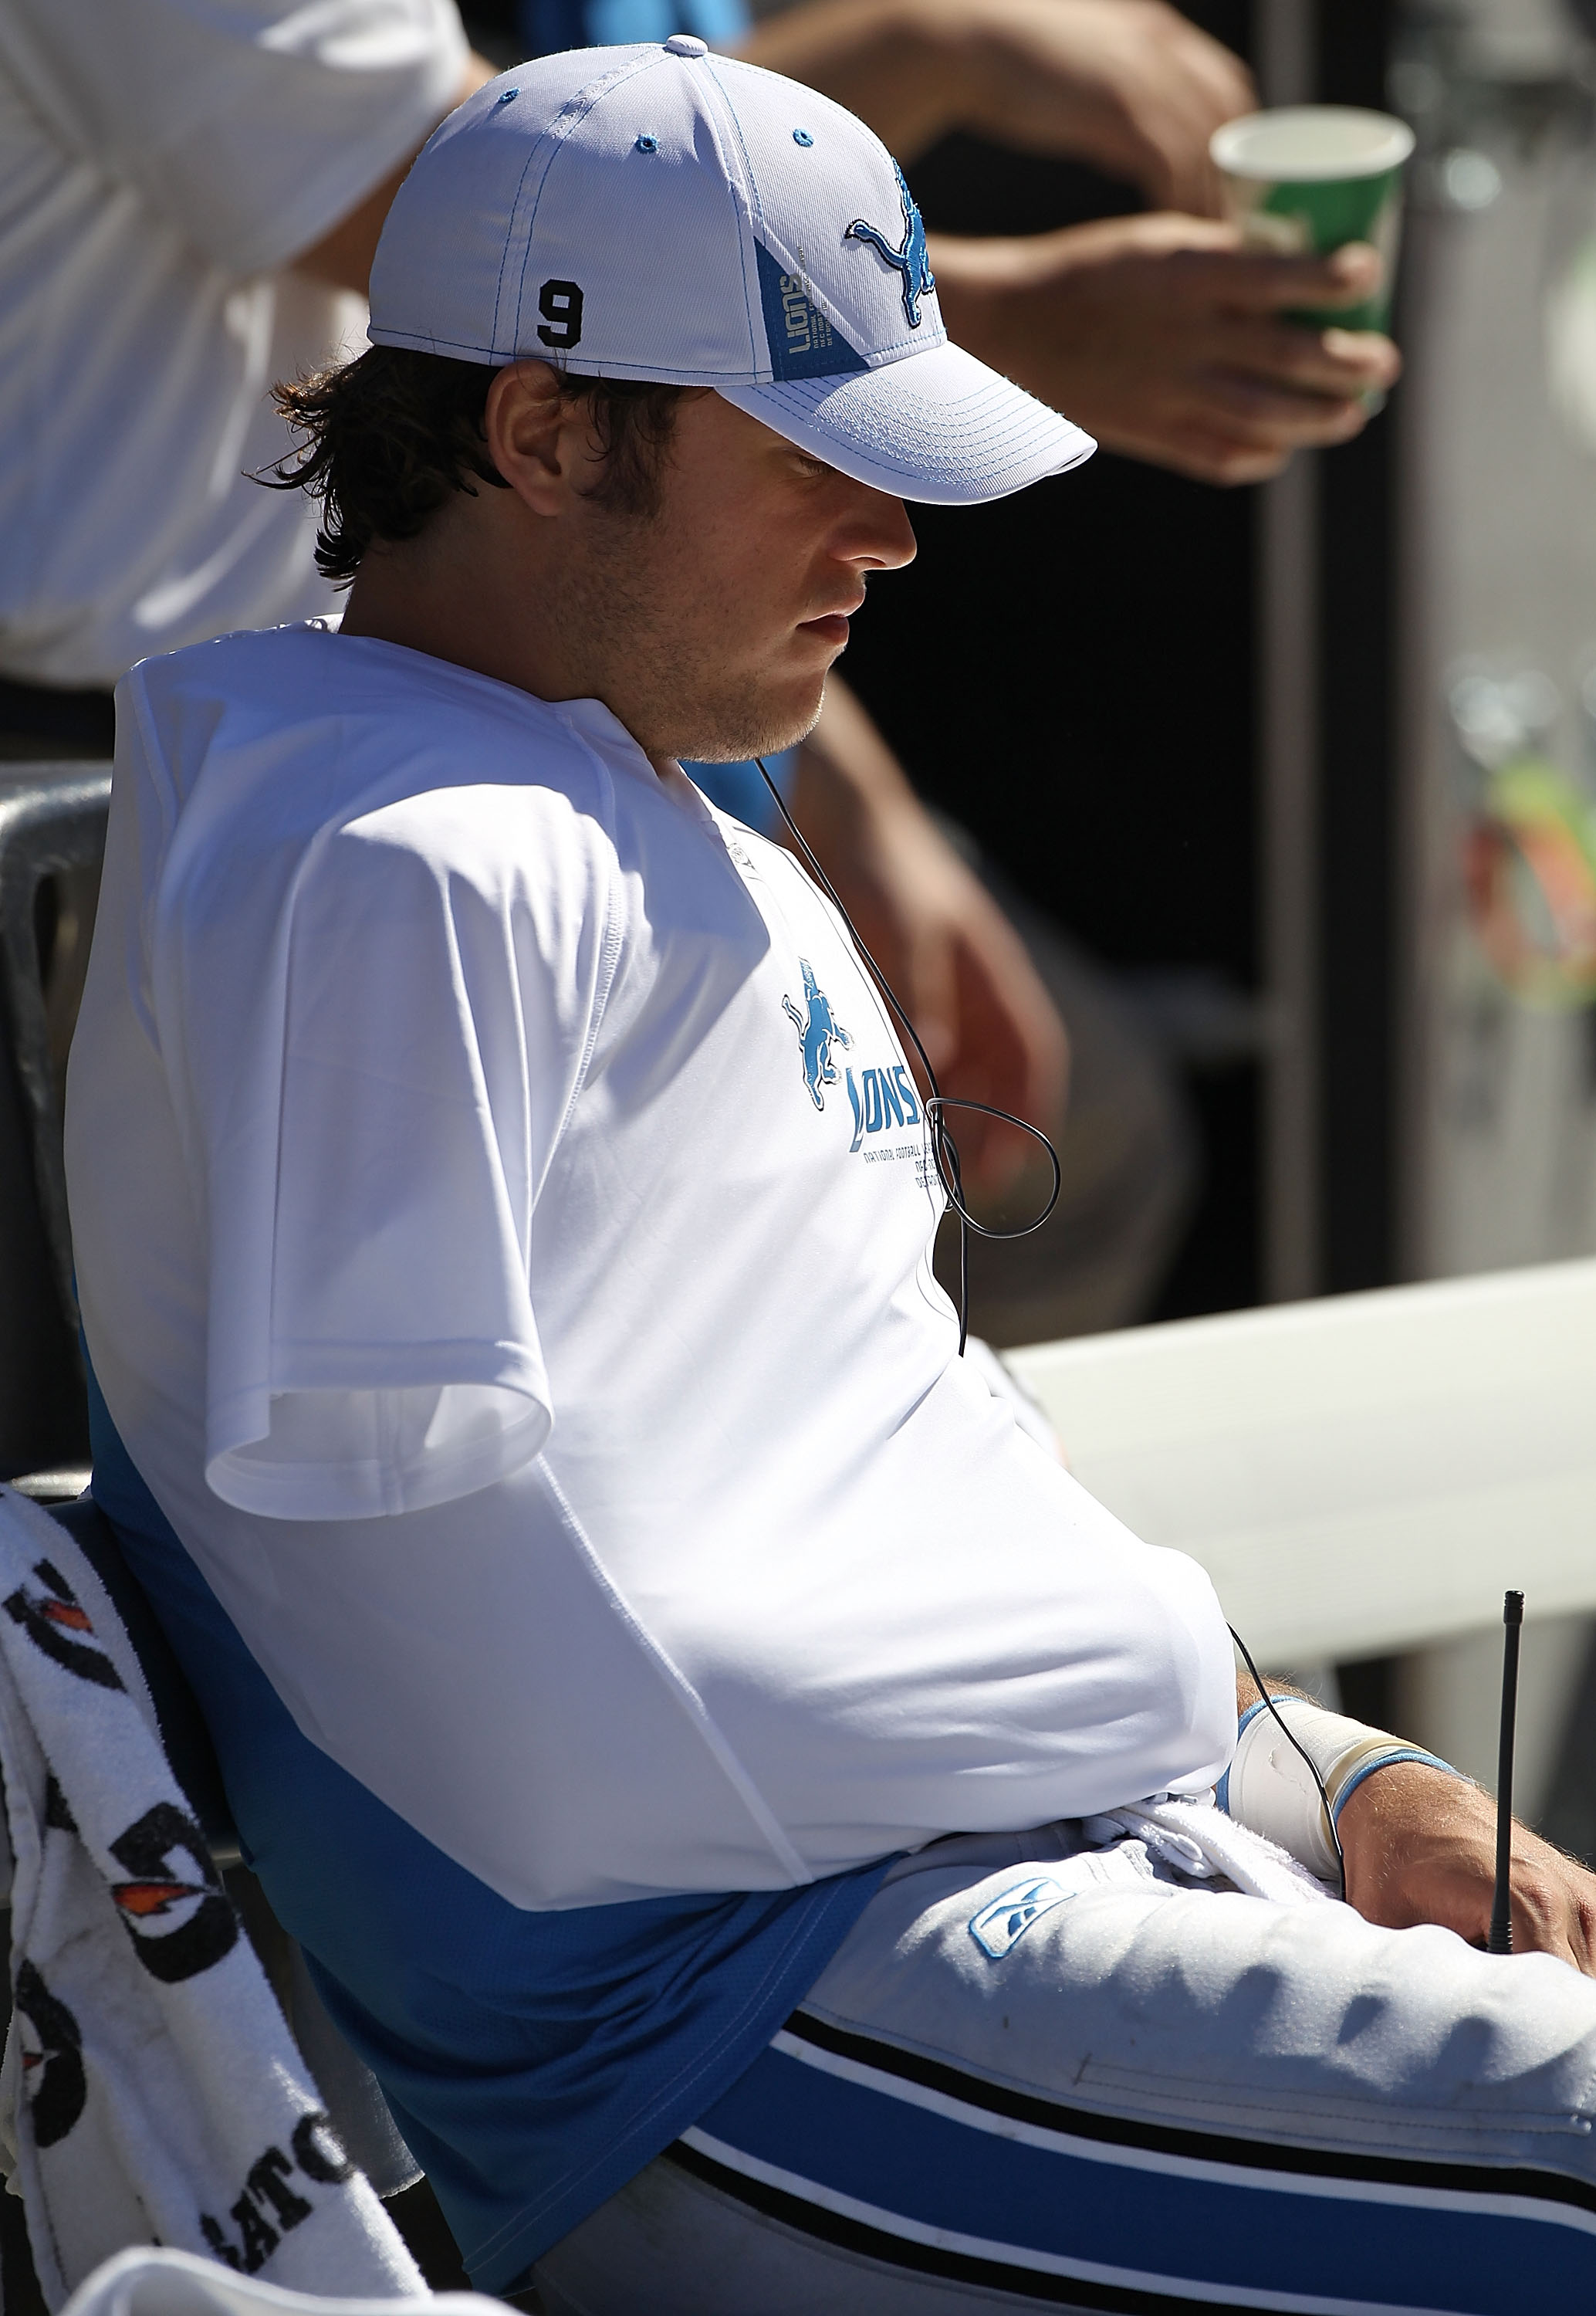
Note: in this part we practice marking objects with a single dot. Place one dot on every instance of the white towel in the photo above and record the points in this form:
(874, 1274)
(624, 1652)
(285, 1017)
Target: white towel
(150, 2092)
(171, 2284)
(1198, 1840)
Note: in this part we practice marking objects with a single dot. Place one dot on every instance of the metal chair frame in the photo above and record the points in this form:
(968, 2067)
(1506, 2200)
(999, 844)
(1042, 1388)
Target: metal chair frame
(52, 823)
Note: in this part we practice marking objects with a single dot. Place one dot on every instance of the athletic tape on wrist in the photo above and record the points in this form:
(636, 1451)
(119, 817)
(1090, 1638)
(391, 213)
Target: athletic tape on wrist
(1268, 1785)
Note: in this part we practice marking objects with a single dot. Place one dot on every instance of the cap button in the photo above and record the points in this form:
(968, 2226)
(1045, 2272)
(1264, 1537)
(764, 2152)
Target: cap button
(686, 44)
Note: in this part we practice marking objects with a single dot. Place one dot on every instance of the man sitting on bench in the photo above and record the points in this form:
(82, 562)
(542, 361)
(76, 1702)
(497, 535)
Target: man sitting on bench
(751, 1808)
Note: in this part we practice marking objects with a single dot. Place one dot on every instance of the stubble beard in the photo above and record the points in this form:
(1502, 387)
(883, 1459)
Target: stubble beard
(740, 725)
(672, 690)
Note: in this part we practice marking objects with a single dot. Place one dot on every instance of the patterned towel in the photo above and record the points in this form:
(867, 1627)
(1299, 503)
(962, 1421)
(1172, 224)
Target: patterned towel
(150, 2091)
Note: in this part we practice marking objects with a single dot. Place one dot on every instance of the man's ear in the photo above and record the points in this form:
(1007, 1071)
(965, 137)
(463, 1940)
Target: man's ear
(539, 439)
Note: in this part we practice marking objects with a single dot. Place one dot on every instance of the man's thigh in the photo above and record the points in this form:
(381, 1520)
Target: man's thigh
(1059, 2082)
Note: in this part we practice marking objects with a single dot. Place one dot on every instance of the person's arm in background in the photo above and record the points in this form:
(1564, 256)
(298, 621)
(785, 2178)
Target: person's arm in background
(1128, 86)
(1420, 1846)
(1156, 333)
(953, 958)
(270, 136)
(342, 256)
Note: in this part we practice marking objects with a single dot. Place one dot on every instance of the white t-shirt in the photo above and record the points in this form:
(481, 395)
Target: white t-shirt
(503, 1217)
(160, 160)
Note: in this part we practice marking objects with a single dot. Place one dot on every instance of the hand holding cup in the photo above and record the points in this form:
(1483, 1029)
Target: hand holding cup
(1311, 179)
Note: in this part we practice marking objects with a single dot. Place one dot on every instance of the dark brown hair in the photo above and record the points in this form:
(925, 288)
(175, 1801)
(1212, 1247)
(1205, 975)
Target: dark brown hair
(385, 439)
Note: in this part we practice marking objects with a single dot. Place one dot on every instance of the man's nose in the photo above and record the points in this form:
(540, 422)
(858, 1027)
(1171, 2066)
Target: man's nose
(881, 535)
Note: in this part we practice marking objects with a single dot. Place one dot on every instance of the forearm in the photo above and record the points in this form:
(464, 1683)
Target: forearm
(895, 63)
(981, 1010)
(342, 256)
(978, 282)
(1128, 86)
(1060, 313)
(1296, 1768)
(1248, 1692)
(917, 69)
(850, 786)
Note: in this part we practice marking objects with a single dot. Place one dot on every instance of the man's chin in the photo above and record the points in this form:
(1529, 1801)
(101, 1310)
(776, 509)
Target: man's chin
(761, 728)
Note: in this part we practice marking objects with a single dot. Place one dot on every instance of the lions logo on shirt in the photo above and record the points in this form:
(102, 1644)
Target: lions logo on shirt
(818, 1030)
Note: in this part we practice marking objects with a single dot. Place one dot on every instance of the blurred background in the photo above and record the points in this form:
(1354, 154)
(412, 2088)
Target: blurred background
(1313, 765)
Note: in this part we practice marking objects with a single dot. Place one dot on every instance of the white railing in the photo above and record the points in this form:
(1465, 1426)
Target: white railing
(1359, 1474)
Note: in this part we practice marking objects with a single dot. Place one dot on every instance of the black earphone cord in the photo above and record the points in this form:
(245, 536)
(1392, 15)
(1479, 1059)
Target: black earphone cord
(944, 1148)
(945, 1151)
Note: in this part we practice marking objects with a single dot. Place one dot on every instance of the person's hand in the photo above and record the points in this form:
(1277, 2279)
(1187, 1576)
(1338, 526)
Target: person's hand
(1166, 339)
(989, 1027)
(1421, 1847)
(1128, 86)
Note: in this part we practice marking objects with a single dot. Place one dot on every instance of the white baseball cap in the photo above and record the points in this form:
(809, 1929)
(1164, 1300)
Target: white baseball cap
(660, 212)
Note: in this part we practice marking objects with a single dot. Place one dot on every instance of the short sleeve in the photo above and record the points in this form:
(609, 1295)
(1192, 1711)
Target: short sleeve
(372, 1145)
(253, 125)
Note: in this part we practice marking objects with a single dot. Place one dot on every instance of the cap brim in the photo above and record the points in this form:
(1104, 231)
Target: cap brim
(939, 427)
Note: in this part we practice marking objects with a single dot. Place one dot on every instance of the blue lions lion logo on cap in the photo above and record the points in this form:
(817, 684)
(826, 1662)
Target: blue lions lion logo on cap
(910, 258)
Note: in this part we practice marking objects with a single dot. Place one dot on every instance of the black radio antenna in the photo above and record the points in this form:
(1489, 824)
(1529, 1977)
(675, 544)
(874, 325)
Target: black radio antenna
(1500, 1941)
